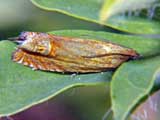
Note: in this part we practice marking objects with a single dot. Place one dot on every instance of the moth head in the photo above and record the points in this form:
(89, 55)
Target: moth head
(35, 42)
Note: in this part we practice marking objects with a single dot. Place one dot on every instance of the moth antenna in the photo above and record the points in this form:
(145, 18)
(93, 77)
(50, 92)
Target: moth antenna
(16, 39)
(13, 38)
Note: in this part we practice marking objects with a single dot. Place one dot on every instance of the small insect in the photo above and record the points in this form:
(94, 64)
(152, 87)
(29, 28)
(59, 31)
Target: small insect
(48, 52)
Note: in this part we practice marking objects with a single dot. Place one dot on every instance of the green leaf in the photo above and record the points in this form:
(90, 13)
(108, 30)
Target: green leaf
(131, 82)
(90, 10)
(112, 7)
(21, 87)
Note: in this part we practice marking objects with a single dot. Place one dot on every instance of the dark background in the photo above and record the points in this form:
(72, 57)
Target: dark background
(21, 15)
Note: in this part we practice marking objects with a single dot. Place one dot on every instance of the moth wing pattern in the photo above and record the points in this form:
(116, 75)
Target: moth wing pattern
(82, 65)
(42, 51)
(34, 61)
(89, 48)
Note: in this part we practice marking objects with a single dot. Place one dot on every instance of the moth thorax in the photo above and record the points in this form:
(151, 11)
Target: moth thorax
(43, 47)
(37, 46)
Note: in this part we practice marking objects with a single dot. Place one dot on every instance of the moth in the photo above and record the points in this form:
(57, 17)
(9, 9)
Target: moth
(48, 52)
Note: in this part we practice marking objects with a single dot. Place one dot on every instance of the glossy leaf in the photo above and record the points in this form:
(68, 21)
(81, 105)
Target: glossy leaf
(90, 9)
(112, 7)
(131, 82)
(21, 87)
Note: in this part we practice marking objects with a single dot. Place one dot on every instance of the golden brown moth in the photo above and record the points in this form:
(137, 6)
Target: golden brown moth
(48, 52)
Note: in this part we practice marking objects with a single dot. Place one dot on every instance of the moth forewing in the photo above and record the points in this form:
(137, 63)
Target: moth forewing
(89, 48)
(65, 54)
